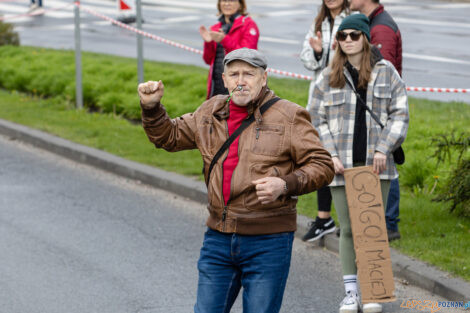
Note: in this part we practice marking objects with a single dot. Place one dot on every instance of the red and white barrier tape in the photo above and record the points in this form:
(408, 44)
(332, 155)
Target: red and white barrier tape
(149, 35)
(289, 74)
(442, 90)
(197, 51)
(271, 70)
(39, 11)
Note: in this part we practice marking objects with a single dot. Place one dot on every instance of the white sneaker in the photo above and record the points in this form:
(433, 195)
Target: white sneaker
(372, 308)
(350, 303)
(33, 7)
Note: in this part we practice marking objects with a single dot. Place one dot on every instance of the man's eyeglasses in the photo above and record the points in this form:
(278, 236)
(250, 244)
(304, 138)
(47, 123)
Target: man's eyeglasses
(355, 35)
(229, 1)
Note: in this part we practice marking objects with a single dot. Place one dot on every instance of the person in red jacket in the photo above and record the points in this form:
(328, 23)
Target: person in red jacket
(234, 30)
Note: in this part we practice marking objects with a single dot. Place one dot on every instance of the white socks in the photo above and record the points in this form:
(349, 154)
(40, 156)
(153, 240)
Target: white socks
(350, 283)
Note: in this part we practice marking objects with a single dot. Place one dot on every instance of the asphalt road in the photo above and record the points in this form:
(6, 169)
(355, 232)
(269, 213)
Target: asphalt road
(436, 38)
(76, 239)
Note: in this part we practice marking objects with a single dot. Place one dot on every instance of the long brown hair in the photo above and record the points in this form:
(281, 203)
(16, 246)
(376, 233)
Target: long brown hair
(337, 79)
(242, 9)
(325, 12)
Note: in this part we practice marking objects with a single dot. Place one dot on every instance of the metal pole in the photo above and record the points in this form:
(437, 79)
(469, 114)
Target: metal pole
(140, 53)
(78, 59)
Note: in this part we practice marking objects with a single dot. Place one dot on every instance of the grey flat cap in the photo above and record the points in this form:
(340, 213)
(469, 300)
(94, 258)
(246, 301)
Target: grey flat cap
(251, 56)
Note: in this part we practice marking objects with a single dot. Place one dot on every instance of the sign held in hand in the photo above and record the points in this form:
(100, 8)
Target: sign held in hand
(367, 216)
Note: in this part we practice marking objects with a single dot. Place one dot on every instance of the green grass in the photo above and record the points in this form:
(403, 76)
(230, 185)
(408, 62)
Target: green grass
(45, 102)
(109, 84)
(102, 131)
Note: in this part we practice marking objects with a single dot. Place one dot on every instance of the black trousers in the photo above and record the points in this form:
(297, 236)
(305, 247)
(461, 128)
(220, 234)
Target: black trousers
(324, 199)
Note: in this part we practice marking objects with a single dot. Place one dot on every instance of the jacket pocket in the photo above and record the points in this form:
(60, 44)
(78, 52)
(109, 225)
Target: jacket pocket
(382, 99)
(334, 107)
(267, 139)
(206, 130)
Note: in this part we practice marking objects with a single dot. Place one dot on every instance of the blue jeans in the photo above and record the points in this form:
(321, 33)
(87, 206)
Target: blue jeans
(260, 264)
(393, 206)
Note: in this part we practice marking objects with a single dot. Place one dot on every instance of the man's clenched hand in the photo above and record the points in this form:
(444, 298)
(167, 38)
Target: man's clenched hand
(268, 189)
(150, 94)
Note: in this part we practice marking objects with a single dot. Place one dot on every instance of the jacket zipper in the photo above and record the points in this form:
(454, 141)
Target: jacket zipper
(231, 179)
(224, 213)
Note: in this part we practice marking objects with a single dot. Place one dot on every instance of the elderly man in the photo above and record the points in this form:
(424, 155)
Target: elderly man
(252, 181)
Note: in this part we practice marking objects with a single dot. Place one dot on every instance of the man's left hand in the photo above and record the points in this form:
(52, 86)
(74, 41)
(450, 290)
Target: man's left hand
(380, 162)
(268, 189)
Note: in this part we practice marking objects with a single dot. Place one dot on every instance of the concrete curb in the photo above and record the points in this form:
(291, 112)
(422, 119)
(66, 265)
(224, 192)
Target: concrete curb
(413, 271)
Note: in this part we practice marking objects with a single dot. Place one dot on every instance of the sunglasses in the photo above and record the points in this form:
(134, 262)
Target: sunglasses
(342, 36)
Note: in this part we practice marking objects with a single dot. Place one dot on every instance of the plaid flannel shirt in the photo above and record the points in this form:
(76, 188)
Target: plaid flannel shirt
(333, 113)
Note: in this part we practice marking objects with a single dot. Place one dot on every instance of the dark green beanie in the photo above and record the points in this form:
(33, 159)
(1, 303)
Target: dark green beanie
(357, 22)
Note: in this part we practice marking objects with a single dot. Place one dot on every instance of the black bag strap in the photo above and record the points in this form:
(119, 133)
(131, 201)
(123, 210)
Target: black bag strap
(247, 122)
(398, 154)
(364, 105)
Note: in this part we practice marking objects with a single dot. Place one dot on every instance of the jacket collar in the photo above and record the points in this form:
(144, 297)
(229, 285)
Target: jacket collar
(338, 18)
(376, 12)
(232, 18)
(237, 23)
(377, 61)
(221, 107)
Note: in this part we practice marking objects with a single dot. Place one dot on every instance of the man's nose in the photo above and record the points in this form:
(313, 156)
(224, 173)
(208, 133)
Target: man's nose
(241, 80)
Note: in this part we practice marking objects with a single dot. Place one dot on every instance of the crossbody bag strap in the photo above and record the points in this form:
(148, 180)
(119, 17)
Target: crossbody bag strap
(398, 154)
(247, 122)
(375, 117)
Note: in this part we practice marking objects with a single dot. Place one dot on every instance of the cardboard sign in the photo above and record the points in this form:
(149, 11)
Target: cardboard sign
(367, 216)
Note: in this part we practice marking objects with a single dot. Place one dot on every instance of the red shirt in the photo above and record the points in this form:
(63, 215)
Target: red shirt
(236, 116)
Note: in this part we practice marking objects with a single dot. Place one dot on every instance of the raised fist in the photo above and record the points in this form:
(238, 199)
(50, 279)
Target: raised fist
(150, 93)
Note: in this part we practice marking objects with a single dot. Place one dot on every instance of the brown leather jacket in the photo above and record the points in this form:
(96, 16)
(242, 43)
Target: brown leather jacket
(282, 142)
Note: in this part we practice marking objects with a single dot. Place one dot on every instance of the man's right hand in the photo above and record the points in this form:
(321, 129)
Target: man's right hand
(150, 94)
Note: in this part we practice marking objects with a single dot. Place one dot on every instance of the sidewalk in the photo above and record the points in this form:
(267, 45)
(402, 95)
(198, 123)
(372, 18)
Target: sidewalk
(413, 271)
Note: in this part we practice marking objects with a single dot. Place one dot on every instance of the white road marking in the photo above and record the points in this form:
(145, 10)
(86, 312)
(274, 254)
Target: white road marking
(13, 9)
(60, 14)
(279, 40)
(429, 22)
(448, 6)
(409, 8)
(181, 19)
(434, 59)
(190, 4)
(287, 13)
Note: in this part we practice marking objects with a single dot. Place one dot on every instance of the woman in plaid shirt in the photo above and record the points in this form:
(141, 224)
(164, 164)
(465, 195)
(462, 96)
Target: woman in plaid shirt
(351, 135)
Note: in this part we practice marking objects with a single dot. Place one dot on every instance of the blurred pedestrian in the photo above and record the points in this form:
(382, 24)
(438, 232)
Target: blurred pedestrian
(384, 34)
(274, 155)
(317, 52)
(34, 5)
(234, 30)
(358, 80)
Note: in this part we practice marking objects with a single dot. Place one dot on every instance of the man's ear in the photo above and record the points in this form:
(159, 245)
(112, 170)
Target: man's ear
(223, 78)
(265, 78)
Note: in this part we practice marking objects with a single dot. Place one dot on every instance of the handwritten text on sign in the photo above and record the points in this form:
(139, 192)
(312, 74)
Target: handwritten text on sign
(367, 216)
